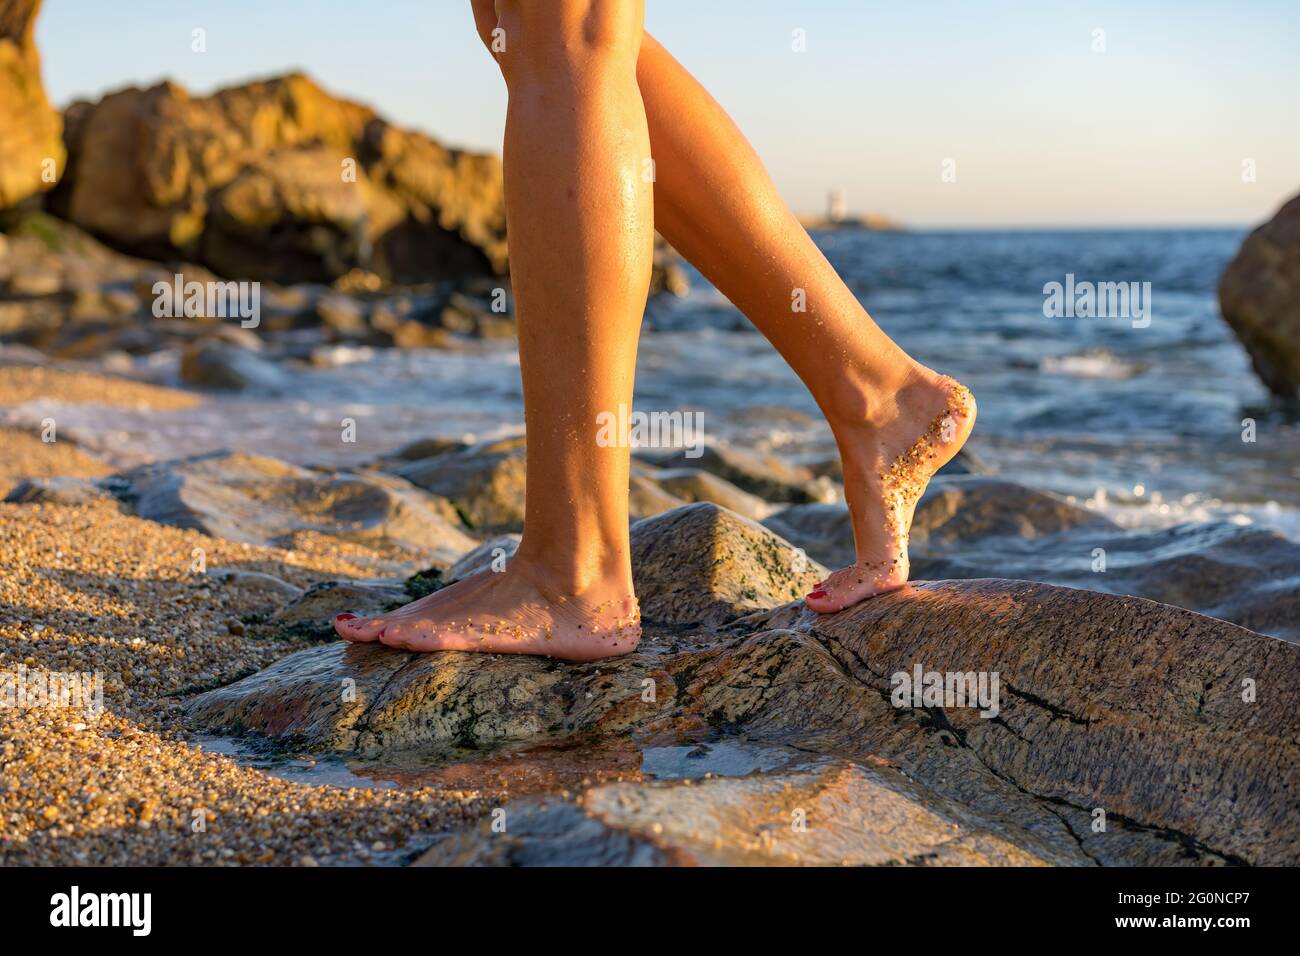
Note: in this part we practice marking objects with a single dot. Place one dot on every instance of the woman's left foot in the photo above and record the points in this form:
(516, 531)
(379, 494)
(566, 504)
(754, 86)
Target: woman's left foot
(888, 459)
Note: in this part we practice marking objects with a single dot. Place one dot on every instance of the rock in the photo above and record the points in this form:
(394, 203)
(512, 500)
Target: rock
(822, 531)
(970, 527)
(765, 475)
(341, 314)
(1244, 575)
(487, 555)
(485, 482)
(311, 613)
(856, 815)
(693, 484)
(221, 365)
(264, 501)
(668, 274)
(427, 448)
(1138, 709)
(259, 592)
(31, 144)
(279, 180)
(57, 491)
(701, 564)
(954, 511)
(646, 498)
(1259, 295)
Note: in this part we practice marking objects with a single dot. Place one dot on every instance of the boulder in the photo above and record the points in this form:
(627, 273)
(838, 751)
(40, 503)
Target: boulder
(703, 565)
(1259, 295)
(765, 475)
(1180, 731)
(216, 364)
(647, 498)
(264, 501)
(852, 814)
(485, 482)
(31, 144)
(971, 527)
(57, 491)
(694, 484)
(1245, 575)
(279, 180)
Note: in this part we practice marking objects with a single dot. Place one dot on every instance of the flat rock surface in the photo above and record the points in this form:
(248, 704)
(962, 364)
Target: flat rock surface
(971, 527)
(258, 500)
(1179, 732)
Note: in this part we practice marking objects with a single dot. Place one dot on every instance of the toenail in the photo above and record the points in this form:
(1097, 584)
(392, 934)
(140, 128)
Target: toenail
(817, 594)
(345, 617)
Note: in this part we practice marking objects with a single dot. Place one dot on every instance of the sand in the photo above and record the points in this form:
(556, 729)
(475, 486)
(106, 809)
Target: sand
(86, 588)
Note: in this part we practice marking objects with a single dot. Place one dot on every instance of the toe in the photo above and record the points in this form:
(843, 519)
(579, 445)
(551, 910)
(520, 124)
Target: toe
(353, 628)
(417, 636)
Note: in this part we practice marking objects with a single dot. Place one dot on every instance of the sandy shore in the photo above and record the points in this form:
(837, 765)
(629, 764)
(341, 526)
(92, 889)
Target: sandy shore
(88, 589)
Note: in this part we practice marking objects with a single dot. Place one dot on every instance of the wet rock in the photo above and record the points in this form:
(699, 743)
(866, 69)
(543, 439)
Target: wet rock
(694, 484)
(765, 475)
(1244, 575)
(646, 498)
(267, 502)
(1183, 730)
(221, 365)
(1259, 295)
(825, 532)
(30, 127)
(830, 813)
(57, 491)
(485, 482)
(958, 510)
(953, 516)
(311, 613)
(342, 314)
(971, 527)
(702, 564)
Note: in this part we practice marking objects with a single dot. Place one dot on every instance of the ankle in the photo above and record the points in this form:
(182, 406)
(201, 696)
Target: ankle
(867, 395)
(569, 574)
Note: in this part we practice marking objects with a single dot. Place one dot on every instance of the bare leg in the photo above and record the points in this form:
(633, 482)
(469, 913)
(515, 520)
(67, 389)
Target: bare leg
(581, 228)
(896, 422)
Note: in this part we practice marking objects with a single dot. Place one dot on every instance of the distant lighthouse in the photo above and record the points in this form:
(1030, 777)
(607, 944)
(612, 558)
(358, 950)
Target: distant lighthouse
(837, 205)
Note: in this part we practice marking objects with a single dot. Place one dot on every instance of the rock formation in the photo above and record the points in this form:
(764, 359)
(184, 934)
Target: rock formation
(1177, 731)
(31, 147)
(279, 180)
(1259, 295)
(264, 501)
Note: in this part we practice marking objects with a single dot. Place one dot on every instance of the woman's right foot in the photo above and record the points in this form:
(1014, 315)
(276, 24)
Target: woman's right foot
(888, 459)
(517, 611)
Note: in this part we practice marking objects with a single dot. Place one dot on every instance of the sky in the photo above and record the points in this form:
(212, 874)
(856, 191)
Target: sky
(935, 113)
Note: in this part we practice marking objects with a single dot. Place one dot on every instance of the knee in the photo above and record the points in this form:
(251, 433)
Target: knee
(563, 37)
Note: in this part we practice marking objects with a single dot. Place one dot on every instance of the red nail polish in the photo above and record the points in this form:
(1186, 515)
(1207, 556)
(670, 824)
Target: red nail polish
(345, 617)
(817, 594)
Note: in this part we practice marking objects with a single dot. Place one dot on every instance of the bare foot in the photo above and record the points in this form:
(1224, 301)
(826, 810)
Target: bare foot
(517, 611)
(888, 460)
